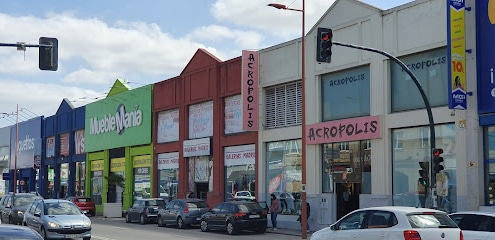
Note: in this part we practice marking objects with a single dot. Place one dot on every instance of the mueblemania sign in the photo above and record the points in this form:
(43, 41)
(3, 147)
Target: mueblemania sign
(456, 40)
(249, 78)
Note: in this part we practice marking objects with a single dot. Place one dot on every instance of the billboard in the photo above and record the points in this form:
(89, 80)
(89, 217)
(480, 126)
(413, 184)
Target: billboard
(28, 143)
(456, 40)
(120, 120)
(485, 37)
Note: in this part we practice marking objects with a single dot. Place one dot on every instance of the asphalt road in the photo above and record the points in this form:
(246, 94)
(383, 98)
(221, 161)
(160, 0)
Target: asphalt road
(118, 229)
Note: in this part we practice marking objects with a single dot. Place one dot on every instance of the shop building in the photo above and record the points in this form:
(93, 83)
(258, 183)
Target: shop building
(63, 168)
(119, 147)
(201, 147)
(367, 128)
(4, 159)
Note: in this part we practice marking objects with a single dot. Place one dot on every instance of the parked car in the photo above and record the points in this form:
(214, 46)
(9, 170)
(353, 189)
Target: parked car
(182, 212)
(11, 232)
(57, 219)
(244, 195)
(86, 204)
(392, 222)
(13, 206)
(475, 224)
(144, 210)
(235, 216)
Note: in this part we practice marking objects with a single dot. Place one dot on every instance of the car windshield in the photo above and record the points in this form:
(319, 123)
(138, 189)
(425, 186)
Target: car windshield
(24, 200)
(83, 199)
(431, 220)
(61, 208)
(249, 207)
(157, 202)
(197, 205)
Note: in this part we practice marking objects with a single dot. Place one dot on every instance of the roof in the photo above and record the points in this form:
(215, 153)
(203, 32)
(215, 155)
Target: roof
(491, 214)
(402, 209)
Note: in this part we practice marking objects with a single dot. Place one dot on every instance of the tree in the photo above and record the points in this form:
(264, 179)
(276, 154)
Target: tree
(114, 180)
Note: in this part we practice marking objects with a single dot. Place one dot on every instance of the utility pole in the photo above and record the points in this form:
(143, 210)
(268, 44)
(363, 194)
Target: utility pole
(48, 52)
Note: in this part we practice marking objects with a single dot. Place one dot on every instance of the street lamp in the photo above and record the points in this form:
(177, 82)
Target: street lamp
(304, 213)
(16, 145)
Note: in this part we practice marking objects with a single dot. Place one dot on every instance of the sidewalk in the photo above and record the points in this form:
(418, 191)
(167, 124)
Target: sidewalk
(287, 232)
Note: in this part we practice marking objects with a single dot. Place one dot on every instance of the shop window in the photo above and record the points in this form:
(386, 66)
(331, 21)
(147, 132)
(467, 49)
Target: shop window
(431, 70)
(284, 174)
(346, 94)
(283, 105)
(407, 189)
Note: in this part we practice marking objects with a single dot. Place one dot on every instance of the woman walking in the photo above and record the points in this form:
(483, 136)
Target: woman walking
(274, 210)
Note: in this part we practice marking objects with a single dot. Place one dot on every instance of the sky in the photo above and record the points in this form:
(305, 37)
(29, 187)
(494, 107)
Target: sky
(101, 41)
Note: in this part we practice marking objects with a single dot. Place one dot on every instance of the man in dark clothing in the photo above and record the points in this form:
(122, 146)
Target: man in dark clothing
(308, 212)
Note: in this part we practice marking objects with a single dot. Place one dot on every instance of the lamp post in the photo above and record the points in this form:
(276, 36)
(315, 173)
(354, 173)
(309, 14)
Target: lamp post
(304, 212)
(16, 145)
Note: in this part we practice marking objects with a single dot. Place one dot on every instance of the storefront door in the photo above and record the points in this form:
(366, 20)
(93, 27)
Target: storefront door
(347, 197)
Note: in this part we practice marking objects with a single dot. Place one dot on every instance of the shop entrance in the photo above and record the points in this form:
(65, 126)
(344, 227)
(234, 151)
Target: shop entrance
(347, 197)
(201, 190)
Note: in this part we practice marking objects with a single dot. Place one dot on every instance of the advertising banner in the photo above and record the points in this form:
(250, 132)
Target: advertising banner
(168, 160)
(64, 145)
(240, 155)
(120, 120)
(197, 147)
(168, 126)
(201, 120)
(79, 141)
(456, 40)
(249, 78)
(485, 35)
(28, 136)
(344, 130)
(233, 114)
(50, 147)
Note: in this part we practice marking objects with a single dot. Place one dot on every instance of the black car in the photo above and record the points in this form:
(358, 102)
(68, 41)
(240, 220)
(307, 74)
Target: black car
(13, 206)
(144, 210)
(235, 216)
(9, 232)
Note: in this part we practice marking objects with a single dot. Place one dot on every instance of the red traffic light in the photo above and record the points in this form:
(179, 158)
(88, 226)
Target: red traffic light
(326, 36)
(437, 152)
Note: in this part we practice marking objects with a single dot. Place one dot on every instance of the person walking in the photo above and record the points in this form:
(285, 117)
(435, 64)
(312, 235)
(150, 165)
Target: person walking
(274, 210)
(308, 213)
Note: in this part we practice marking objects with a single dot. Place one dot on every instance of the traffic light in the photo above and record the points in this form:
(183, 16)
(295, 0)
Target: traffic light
(48, 56)
(324, 45)
(424, 174)
(437, 160)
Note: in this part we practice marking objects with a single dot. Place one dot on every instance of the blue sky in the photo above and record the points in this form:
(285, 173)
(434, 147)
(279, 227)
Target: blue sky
(141, 42)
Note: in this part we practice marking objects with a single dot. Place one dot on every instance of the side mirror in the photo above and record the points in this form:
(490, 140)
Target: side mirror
(37, 214)
(333, 227)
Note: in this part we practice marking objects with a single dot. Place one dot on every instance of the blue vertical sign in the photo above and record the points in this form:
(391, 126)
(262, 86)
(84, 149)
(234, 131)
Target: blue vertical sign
(456, 41)
(28, 137)
(485, 41)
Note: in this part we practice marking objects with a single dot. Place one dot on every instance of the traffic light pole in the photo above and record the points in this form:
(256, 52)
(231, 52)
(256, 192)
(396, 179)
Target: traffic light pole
(48, 52)
(425, 99)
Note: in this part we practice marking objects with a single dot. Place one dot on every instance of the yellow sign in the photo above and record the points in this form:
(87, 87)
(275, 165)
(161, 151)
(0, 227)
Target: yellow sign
(457, 54)
(117, 165)
(97, 165)
(141, 161)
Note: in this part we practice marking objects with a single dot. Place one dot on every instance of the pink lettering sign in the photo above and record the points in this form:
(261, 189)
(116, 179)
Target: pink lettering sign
(344, 130)
(249, 80)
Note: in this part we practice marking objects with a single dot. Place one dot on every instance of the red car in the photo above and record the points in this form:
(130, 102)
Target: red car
(86, 204)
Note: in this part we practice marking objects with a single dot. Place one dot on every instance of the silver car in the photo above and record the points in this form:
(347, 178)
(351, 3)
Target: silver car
(57, 219)
(182, 212)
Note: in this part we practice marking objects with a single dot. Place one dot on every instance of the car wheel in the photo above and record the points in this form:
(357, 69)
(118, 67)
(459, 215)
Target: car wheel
(142, 220)
(43, 234)
(10, 221)
(204, 226)
(180, 223)
(160, 221)
(127, 218)
(231, 229)
(87, 238)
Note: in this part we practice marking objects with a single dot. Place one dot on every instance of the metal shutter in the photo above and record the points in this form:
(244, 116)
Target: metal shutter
(283, 105)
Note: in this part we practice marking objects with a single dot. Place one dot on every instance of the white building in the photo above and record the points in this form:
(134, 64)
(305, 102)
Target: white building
(370, 127)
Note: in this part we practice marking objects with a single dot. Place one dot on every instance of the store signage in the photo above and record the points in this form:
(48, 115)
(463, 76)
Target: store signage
(456, 40)
(250, 99)
(64, 145)
(79, 141)
(97, 165)
(118, 121)
(168, 126)
(50, 147)
(485, 39)
(344, 130)
(197, 147)
(168, 160)
(201, 120)
(117, 164)
(28, 137)
(141, 161)
(233, 114)
(240, 155)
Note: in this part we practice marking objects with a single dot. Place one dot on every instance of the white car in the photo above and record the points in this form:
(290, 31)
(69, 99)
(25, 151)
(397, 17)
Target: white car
(244, 195)
(392, 222)
(475, 224)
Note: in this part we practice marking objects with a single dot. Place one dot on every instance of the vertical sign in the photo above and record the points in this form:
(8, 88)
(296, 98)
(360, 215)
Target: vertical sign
(64, 145)
(233, 114)
(249, 78)
(50, 147)
(79, 141)
(456, 39)
(485, 37)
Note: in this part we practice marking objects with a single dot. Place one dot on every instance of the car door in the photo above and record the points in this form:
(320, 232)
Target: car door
(377, 225)
(33, 217)
(166, 211)
(213, 218)
(350, 227)
(474, 226)
(134, 211)
(6, 209)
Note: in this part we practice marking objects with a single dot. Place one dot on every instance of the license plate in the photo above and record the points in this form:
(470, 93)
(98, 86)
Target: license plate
(254, 216)
(198, 219)
(85, 211)
(72, 236)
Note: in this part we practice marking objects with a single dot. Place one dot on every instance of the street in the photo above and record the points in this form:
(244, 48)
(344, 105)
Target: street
(118, 229)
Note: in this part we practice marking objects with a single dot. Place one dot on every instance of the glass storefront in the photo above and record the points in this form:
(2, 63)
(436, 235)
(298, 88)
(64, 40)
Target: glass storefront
(347, 162)
(51, 181)
(490, 165)
(64, 180)
(80, 178)
(412, 146)
(200, 177)
(97, 181)
(115, 189)
(239, 170)
(168, 175)
(284, 174)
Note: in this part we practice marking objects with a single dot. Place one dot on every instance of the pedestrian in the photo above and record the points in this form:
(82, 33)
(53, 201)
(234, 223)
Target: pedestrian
(274, 210)
(308, 213)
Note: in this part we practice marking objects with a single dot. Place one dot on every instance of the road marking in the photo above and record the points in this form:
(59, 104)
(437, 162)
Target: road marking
(101, 238)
